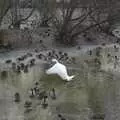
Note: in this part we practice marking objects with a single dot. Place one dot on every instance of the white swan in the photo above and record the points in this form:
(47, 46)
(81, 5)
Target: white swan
(60, 70)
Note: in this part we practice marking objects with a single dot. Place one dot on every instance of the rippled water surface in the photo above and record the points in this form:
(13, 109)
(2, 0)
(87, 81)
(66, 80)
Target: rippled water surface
(78, 99)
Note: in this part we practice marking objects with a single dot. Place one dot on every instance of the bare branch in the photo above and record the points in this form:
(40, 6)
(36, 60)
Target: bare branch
(92, 26)
(82, 20)
(4, 11)
(28, 15)
(26, 3)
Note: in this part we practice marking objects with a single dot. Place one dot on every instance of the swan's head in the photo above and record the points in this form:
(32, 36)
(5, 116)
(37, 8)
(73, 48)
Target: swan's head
(54, 61)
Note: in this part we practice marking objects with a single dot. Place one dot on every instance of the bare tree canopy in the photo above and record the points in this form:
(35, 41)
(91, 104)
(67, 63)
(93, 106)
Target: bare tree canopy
(77, 16)
(18, 14)
(46, 10)
(4, 7)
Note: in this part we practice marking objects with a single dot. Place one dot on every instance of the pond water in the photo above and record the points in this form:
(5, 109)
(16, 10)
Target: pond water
(78, 99)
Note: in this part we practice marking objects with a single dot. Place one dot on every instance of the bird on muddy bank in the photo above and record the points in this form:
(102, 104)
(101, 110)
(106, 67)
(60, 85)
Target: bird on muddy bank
(60, 70)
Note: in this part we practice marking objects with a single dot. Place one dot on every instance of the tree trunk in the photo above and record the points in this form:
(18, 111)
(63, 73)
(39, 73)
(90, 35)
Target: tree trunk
(16, 25)
(1, 37)
(65, 37)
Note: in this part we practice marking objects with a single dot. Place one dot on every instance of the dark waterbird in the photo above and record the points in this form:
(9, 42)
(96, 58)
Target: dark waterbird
(17, 97)
(4, 74)
(53, 94)
(8, 61)
(18, 69)
(45, 104)
(98, 116)
(28, 104)
(22, 58)
(32, 93)
(22, 66)
(60, 52)
(41, 95)
(90, 52)
(32, 62)
(13, 66)
(41, 41)
(36, 50)
(29, 54)
(26, 69)
(61, 117)
(78, 47)
(36, 89)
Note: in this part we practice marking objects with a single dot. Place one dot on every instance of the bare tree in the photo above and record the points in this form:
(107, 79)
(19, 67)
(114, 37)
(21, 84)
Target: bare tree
(4, 8)
(76, 17)
(46, 10)
(18, 13)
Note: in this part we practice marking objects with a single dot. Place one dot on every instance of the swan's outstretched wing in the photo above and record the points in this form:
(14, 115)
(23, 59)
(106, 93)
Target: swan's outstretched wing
(52, 70)
(62, 71)
(58, 69)
(63, 75)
